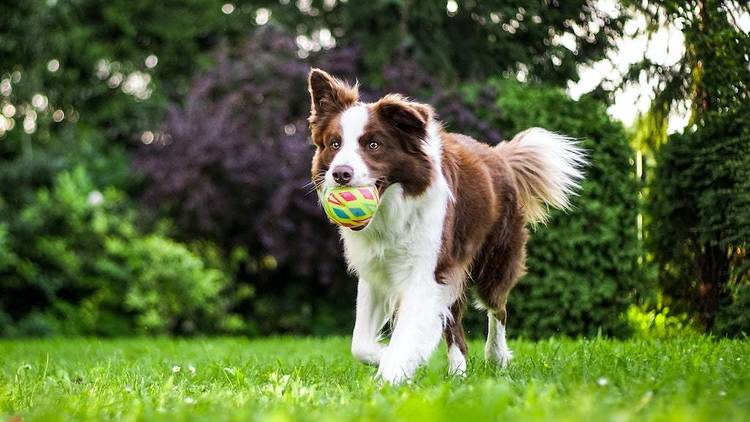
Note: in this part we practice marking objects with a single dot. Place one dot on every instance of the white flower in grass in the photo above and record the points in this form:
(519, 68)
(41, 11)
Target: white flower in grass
(191, 369)
(176, 369)
(602, 382)
(189, 400)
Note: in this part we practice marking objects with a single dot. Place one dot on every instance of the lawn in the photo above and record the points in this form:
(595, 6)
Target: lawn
(279, 379)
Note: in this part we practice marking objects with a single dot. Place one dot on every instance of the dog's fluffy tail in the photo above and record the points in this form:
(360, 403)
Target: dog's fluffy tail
(548, 169)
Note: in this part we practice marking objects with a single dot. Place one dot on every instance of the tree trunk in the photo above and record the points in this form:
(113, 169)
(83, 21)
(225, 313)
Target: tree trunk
(714, 276)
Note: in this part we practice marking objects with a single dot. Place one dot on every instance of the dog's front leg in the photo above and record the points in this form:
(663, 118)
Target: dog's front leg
(370, 318)
(418, 329)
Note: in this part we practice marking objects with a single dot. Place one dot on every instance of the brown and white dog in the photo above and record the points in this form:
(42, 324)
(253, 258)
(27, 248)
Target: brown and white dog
(452, 216)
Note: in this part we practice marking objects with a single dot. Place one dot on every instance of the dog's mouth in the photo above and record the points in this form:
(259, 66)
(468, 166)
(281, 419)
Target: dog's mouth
(381, 185)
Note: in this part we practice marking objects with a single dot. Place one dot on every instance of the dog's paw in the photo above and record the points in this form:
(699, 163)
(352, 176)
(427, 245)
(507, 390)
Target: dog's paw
(392, 375)
(393, 370)
(369, 354)
(456, 362)
(504, 357)
(501, 357)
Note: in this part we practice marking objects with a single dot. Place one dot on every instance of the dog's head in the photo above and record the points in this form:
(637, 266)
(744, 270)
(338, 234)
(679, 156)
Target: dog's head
(365, 144)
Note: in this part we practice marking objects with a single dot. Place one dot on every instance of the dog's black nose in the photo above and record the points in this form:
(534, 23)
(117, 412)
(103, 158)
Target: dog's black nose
(343, 174)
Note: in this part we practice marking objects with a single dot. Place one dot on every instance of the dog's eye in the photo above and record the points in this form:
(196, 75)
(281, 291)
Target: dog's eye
(335, 144)
(373, 145)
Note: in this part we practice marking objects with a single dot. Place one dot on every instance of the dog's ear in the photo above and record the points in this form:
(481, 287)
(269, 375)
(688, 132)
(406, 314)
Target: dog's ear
(329, 95)
(408, 119)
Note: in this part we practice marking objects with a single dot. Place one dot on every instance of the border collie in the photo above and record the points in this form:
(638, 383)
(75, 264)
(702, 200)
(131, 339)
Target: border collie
(452, 216)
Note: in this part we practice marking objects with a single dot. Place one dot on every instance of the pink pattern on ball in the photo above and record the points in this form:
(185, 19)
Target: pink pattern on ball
(348, 196)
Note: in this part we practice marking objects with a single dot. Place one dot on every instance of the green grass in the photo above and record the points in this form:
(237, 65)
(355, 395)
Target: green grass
(693, 378)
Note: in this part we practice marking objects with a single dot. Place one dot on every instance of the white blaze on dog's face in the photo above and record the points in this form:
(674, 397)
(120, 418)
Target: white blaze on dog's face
(359, 144)
(349, 160)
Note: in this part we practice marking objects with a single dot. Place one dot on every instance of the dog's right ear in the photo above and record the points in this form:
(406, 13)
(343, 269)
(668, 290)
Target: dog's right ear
(329, 95)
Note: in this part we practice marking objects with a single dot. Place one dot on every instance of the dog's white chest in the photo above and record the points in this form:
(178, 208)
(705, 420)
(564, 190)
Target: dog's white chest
(401, 243)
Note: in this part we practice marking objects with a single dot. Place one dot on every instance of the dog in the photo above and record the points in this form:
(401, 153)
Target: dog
(452, 217)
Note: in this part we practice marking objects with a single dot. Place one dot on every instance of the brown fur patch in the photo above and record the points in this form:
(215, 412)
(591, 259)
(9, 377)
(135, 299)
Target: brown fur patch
(454, 330)
(401, 128)
(484, 231)
(329, 97)
(322, 135)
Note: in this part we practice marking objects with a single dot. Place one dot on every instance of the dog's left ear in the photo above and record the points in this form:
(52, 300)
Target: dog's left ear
(408, 118)
(329, 95)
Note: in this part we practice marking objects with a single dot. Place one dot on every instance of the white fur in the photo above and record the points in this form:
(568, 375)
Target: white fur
(456, 361)
(371, 318)
(562, 158)
(353, 122)
(548, 168)
(397, 254)
(496, 349)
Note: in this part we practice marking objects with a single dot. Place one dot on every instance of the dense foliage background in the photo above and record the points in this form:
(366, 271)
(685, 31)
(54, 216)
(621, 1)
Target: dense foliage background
(154, 160)
(698, 195)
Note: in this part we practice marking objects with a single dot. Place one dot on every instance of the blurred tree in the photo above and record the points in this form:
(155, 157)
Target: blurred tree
(70, 68)
(713, 72)
(92, 55)
(698, 230)
(80, 82)
(700, 209)
(538, 39)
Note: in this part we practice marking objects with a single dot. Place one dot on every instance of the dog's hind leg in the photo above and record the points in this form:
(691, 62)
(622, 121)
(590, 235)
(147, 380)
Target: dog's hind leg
(497, 269)
(456, 340)
(496, 348)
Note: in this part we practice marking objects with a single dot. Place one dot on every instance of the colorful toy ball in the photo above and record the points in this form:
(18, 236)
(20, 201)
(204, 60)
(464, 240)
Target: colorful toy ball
(351, 207)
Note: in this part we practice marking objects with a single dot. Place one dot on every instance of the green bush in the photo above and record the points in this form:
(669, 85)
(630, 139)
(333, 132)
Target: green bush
(86, 268)
(700, 212)
(733, 319)
(7, 258)
(656, 320)
(168, 287)
(583, 268)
